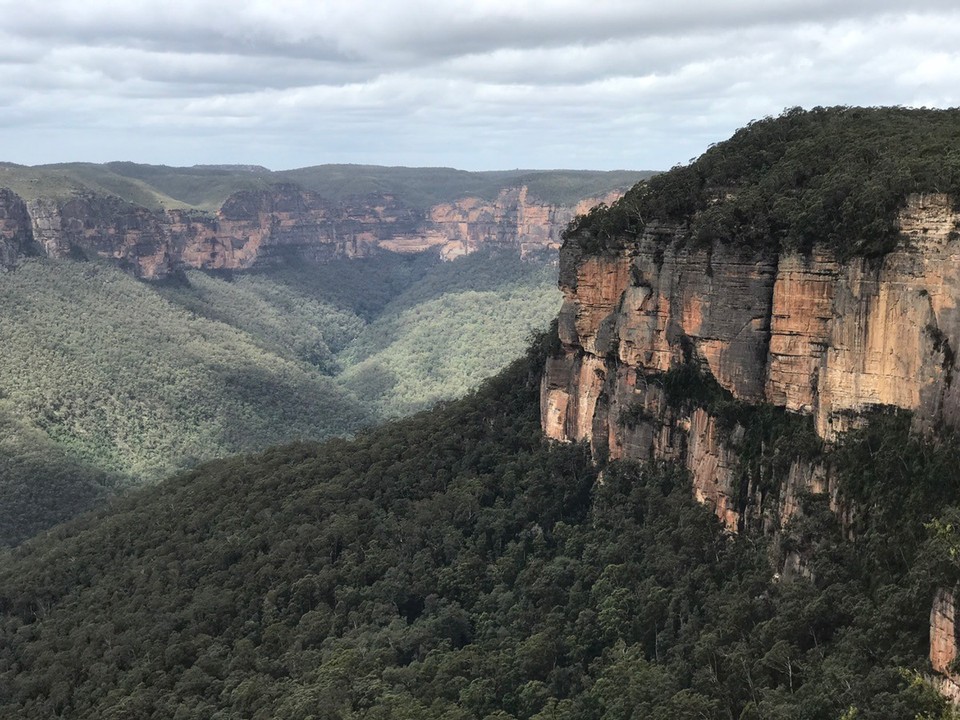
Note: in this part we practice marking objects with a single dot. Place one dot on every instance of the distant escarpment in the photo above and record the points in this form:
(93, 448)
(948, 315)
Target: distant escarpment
(253, 224)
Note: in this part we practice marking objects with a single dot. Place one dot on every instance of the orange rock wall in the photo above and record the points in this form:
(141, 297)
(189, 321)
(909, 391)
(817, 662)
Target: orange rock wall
(943, 631)
(943, 643)
(803, 332)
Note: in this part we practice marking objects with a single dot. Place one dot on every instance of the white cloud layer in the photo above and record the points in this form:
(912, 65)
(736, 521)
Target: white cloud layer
(477, 84)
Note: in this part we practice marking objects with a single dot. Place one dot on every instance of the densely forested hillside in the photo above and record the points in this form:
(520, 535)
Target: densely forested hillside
(449, 332)
(131, 383)
(112, 382)
(42, 482)
(454, 565)
(835, 176)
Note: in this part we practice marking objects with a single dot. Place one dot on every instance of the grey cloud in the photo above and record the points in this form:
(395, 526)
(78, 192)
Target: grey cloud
(214, 74)
(419, 31)
(500, 83)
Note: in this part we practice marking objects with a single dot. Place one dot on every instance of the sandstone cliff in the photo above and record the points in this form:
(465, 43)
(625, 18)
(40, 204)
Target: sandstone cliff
(254, 224)
(800, 331)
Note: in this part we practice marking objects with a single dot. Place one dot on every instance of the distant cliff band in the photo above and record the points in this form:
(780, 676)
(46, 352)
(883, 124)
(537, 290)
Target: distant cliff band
(251, 225)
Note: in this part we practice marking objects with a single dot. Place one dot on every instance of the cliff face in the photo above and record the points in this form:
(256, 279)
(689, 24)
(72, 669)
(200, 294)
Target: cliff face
(802, 332)
(15, 236)
(88, 225)
(252, 225)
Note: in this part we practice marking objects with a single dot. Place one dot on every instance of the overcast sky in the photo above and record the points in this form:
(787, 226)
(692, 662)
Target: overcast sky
(474, 84)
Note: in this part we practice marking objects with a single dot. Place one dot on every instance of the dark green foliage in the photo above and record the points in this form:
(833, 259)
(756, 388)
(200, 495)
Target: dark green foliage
(689, 385)
(899, 483)
(829, 175)
(451, 565)
(550, 339)
(635, 414)
(41, 483)
(770, 441)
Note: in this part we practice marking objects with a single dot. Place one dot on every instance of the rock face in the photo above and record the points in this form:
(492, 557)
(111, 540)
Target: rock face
(803, 332)
(943, 631)
(15, 236)
(252, 226)
(943, 643)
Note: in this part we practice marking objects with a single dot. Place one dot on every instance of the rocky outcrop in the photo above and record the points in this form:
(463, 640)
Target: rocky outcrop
(15, 236)
(800, 331)
(943, 643)
(253, 226)
(943, 631)
(104, 226)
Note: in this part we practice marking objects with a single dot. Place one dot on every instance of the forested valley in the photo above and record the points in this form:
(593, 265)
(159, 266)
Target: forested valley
(108, 383)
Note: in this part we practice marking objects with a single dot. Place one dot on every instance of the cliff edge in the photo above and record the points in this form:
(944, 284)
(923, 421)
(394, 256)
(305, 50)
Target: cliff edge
(794, 266)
